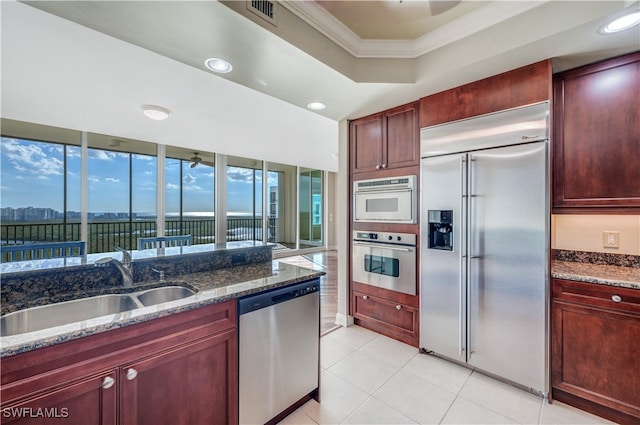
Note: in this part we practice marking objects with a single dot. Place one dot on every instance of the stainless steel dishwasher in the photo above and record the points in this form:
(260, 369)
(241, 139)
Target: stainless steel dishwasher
(279, 348)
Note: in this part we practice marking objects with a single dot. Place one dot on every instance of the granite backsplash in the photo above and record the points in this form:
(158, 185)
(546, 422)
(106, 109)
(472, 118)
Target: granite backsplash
(39, 287)
(600, 258)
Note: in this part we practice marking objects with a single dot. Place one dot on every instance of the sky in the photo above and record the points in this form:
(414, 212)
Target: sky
(32, 175)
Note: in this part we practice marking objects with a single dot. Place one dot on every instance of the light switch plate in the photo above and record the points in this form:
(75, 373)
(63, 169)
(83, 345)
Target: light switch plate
(611, 239)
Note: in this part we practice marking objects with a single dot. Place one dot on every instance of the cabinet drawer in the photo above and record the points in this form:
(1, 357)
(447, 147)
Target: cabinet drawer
(596, 295)
(384, 315)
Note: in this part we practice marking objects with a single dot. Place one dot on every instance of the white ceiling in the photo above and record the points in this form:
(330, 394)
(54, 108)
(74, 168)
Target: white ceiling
(59, 73)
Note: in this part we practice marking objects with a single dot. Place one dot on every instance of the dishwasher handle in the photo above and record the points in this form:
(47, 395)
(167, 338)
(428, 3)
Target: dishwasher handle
(277, 299)
(275, 296)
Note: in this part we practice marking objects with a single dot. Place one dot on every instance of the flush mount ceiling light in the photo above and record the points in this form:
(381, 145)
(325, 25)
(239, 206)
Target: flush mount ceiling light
(621, 23)
(316, 106)
(156, 112)
(218, 65)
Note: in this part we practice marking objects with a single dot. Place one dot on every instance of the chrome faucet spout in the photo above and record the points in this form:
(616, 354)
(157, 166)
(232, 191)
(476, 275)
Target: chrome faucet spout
(125, 267)
(126, 256)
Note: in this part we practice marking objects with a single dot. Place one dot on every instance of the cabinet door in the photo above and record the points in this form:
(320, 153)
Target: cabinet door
(366, 143)
(595, 349)
(194, 383)
(596, 151)
(80, 402)
(395, 320)
(402, 147)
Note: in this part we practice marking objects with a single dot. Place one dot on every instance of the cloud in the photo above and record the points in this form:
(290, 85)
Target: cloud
(112, 180)
(189, 179)
(102, 155)
(173, 186)
(93, 179)
(242, 175)
(33, 157)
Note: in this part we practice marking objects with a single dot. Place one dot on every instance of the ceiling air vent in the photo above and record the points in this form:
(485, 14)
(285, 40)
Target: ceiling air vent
(265, 9)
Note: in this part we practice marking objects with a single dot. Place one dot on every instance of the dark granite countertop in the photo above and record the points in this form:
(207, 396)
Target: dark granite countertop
(213, 287)
(602, 274)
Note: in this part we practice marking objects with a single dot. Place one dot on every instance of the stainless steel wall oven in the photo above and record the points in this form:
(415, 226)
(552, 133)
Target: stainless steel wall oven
(385, 260)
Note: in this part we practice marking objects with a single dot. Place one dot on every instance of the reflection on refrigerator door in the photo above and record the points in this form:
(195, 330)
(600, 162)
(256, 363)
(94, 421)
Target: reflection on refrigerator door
(484, 270)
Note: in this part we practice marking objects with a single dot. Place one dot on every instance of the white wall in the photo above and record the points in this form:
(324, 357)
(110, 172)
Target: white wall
(584, 232)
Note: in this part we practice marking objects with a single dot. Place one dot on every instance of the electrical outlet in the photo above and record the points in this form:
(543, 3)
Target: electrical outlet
(611, 239)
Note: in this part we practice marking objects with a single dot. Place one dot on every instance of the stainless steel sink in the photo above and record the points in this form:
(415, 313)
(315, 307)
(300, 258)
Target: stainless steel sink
(50, 315)
(47, 316)
(163, 295)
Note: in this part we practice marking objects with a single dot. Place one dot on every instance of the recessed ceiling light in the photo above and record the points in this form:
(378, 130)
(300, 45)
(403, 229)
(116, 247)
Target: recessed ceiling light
(316, 106)
(218, 65)
(621, 23)
(156, 112)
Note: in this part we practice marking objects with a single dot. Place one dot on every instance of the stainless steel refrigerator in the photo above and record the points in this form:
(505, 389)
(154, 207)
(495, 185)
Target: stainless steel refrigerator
(485, 243)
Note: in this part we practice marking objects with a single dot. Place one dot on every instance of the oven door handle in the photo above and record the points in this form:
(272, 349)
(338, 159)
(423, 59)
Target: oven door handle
(381, 190)
(383, 246)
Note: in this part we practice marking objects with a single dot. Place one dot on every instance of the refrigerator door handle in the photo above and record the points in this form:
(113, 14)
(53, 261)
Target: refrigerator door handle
(470, 256)
(463, 260)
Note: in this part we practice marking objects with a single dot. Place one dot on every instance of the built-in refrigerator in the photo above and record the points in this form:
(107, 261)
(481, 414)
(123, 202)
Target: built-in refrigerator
(485, 242)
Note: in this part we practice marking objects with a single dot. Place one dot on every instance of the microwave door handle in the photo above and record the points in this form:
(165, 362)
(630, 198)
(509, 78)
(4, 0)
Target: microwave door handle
(381, 246)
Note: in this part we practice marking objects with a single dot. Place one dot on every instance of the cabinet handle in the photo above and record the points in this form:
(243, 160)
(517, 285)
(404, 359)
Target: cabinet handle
(365, 297)
(398, 307)
(108, 382)
(616, 298)
(384, 165)
(377, 167)
(131, 374)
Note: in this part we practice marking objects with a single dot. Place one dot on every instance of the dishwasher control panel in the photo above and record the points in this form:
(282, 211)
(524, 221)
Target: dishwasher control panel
(276, 296)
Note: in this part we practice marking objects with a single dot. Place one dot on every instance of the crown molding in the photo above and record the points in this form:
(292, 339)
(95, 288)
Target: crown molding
(491, 14)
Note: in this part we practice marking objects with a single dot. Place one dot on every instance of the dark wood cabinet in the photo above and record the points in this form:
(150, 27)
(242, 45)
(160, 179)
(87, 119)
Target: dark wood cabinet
(518, 87)
(187, 385)
(596, 155)
(90, 400)
(386, 140)
(595, 341)
(180, 369)
(391, 318)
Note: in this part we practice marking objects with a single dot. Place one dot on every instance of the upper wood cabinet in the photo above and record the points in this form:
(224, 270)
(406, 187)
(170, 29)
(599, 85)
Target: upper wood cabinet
(596, 162)
(386, 140)
(518, 87)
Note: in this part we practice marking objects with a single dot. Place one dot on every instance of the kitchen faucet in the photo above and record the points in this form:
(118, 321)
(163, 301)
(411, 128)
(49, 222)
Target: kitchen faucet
(125, 267)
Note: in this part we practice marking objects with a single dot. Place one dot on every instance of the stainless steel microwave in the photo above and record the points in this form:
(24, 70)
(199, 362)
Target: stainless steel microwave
(385, 200)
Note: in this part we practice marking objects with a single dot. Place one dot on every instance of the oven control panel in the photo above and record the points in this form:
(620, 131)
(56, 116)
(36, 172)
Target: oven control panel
(385, 237)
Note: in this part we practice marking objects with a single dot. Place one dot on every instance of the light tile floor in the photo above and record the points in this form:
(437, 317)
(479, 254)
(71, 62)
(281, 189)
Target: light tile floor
(368, 378)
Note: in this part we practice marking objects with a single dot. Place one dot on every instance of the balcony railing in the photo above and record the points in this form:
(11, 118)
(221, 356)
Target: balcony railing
(104, 236)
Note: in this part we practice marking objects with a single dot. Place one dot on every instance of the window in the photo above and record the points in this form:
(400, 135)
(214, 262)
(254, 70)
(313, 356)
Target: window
(281, 221)
(244, 199)
(34, 176)
(311, 210)
(42, 193)
(190, 194)
(121, 192)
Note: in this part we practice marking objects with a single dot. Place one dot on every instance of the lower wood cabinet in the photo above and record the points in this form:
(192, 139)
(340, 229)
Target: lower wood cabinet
(181, 369)
(89, 400)
(393, 319)
(595, 349)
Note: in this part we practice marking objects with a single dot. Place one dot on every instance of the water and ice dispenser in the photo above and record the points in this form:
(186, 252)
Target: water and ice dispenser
(440, 229)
